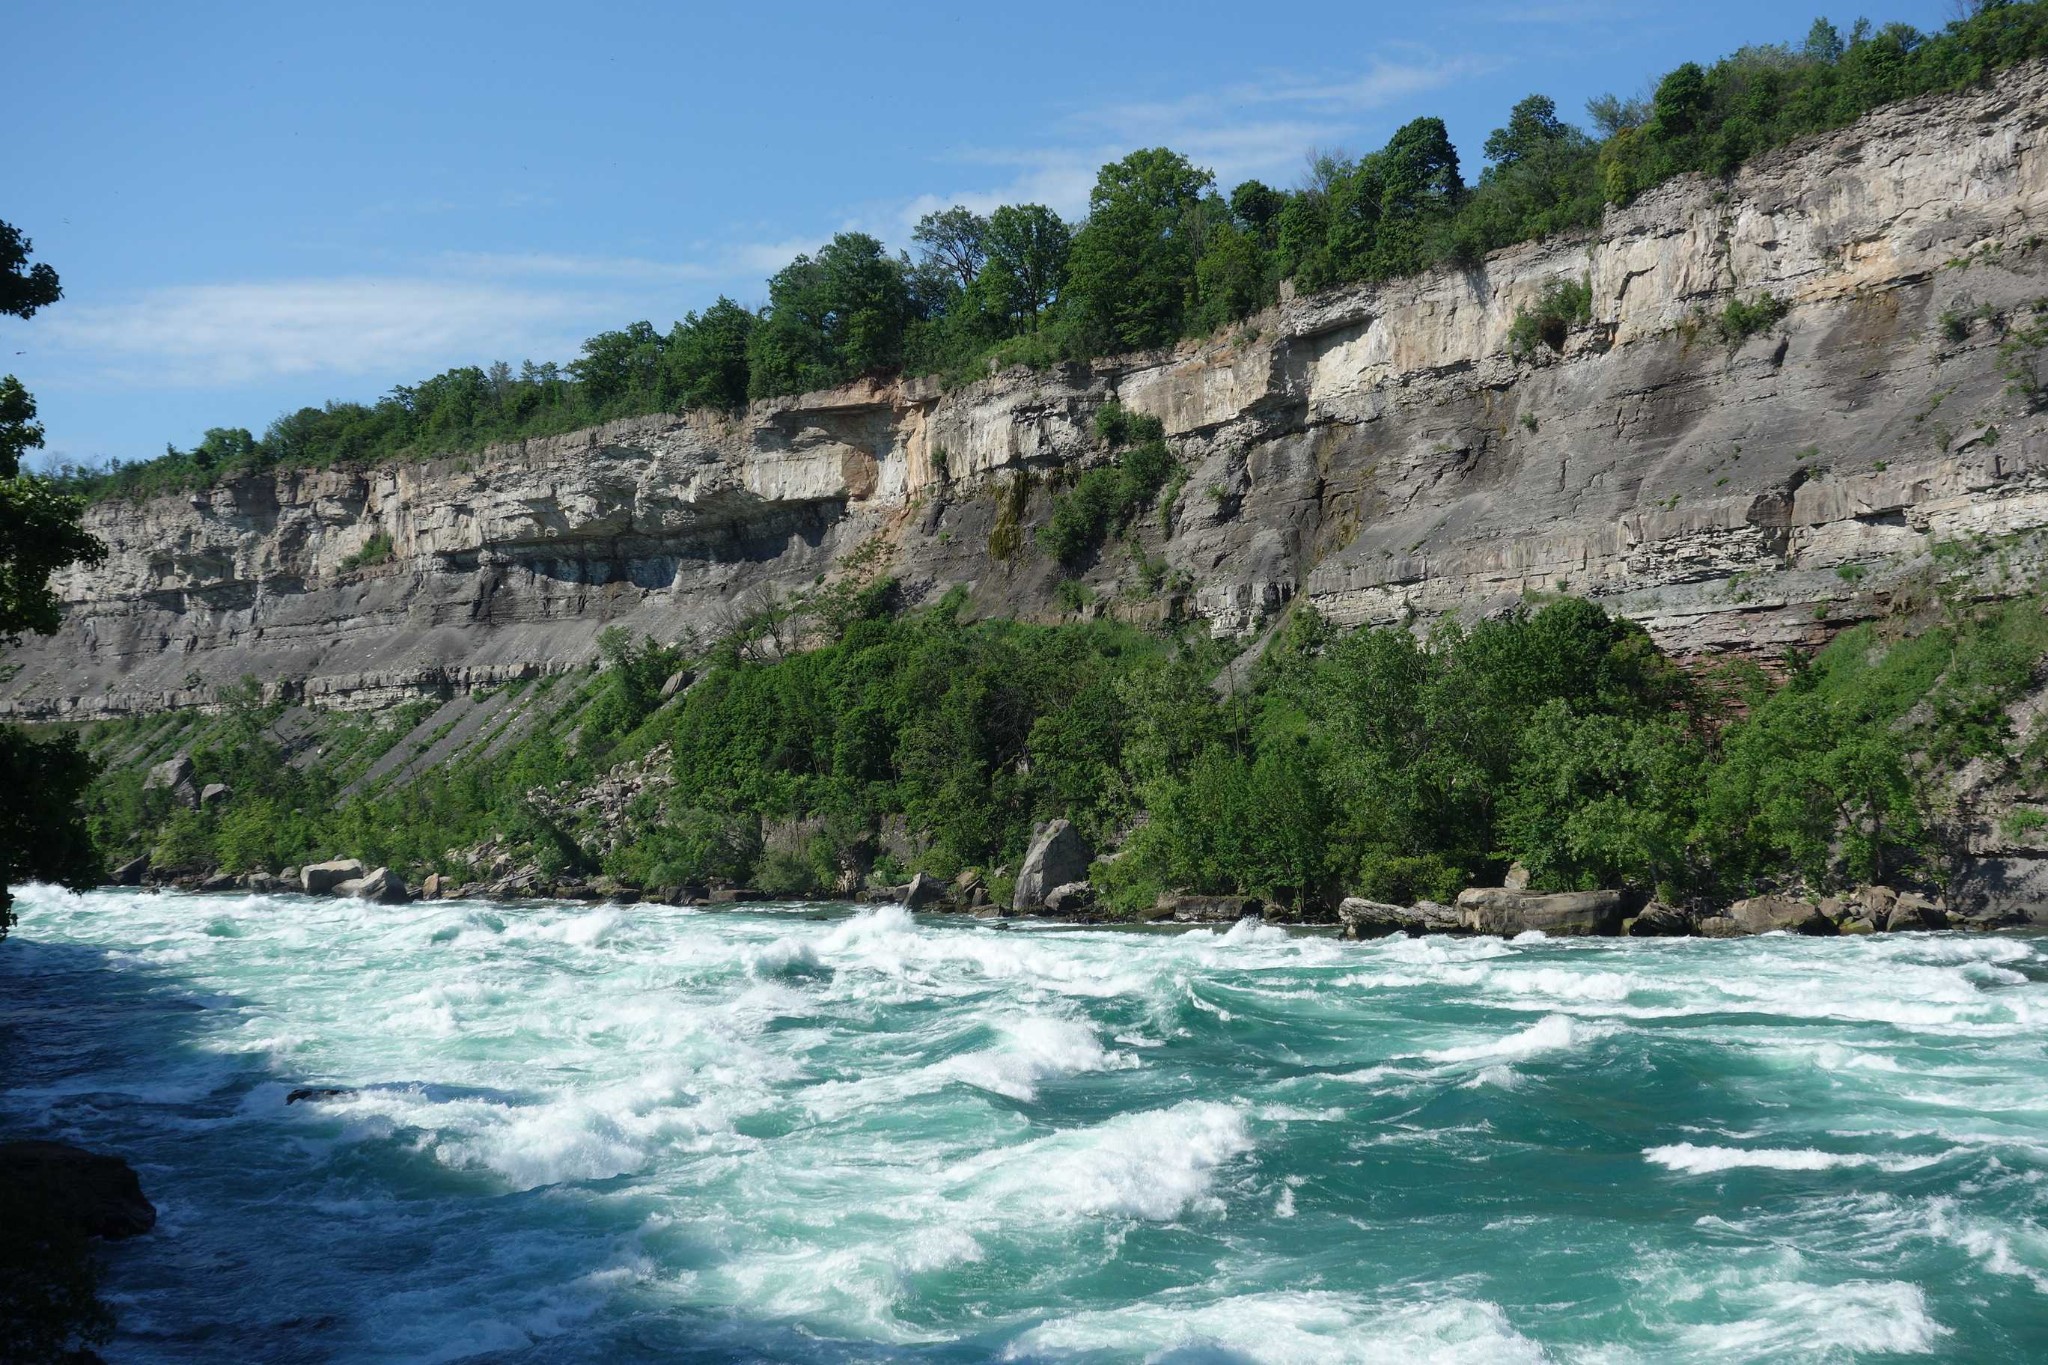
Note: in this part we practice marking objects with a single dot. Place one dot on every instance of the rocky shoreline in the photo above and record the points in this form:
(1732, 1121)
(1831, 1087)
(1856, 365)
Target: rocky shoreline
(1501, 912)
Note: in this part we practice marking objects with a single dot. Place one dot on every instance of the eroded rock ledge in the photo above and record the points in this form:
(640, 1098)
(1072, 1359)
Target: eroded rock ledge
(1378, 450)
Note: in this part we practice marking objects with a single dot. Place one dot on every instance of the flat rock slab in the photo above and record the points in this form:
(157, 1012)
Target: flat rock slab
(1567, 914)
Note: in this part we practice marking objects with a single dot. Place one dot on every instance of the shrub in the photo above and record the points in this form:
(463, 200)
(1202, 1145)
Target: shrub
(376, 550)
(1740, 321)
(1563, 305)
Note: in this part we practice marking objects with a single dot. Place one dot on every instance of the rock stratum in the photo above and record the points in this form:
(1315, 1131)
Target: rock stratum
(1380, 451)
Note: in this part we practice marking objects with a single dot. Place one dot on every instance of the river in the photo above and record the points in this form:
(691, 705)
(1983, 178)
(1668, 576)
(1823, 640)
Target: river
(636, 1133)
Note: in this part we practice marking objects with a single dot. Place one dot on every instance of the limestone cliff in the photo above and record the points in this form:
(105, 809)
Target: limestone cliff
(1381, 451)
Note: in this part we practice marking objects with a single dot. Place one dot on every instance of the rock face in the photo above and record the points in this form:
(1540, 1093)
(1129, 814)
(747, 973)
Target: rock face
(1377, 450)
(98, 1194)
(317, 879)
(1497, 910)
(1058, 855)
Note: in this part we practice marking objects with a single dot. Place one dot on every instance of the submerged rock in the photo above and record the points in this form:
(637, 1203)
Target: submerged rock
(97, 1194)
(319, 1092)
(1497, 910)
(1058, 856)
(318, 879)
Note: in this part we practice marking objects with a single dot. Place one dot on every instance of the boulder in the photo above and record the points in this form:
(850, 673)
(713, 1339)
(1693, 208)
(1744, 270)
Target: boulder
(1497, 910)
(1774, 914)
(924, 890)
(381, 886)
(1914, 911)
(261, 882)
(734, 895)
(1658, 920)
(430, 889)
(677, 682)
(1069, 898)
(213, 793)
(1720, 926)
(170, 773)
(1362, 918)
(318, 879)
(131, 872)
(1207, 909)
(97, 1194)
(1856, 924)
(1517, 878)
(290, 877)
(1058, 855)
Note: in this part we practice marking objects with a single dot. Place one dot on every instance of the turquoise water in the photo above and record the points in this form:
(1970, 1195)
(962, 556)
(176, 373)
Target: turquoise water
(797, 1133)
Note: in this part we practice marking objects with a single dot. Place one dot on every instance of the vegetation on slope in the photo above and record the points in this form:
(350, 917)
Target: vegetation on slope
(1161, 254)
(1374, 761)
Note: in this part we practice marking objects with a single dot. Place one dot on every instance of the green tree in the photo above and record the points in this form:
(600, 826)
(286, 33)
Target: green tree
(1132, 270)
(956, 240)
(1028, 250)
(24, 288)
(42, 781)
(706, 358)
(831, 317)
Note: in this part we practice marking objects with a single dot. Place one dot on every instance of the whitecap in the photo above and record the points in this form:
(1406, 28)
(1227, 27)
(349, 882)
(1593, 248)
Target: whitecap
(1552, 1033)
(1691, 1159)
(1286, 1327)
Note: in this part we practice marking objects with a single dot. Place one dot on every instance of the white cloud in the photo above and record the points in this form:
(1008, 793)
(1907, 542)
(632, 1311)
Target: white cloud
(745, 262)
(1262, 128)
(223, 335)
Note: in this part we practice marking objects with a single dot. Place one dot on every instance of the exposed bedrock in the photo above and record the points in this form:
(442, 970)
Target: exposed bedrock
(1379, 451)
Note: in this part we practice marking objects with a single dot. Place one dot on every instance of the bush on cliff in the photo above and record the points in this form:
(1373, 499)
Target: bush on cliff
(1372, 761)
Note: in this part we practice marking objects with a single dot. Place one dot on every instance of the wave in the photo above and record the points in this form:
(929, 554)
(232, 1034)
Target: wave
(1285, 1327)
(1690, 1159)
(1552, 1033)
(1156, 1166)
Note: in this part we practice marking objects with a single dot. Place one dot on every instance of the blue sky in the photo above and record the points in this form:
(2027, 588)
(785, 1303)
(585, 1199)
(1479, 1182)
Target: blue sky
(257, 207)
